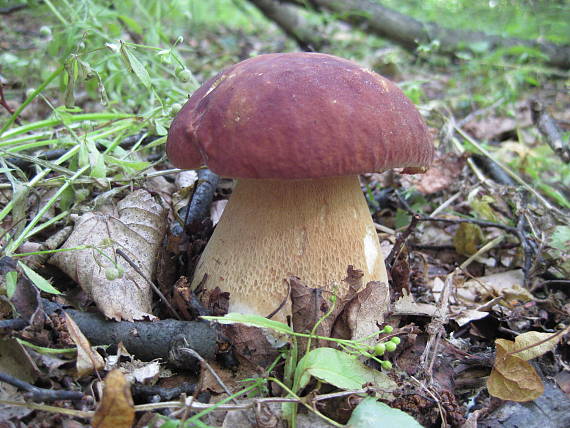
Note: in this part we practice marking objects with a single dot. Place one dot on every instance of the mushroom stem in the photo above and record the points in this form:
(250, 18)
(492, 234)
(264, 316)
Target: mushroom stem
(272, 229)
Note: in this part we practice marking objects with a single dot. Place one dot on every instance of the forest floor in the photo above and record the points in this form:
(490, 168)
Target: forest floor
(479, 245)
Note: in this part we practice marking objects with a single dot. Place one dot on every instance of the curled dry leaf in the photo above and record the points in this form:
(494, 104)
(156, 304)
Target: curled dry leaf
(537, 343)
(116, 409)
(88, 359)
(513, 378)
(136, 227)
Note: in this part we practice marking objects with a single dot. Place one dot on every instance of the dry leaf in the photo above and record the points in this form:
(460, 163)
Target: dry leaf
(307, 306)
(467, 239)
(530, 338)
(137, 228)
(444, 171)
(507, 284)
(513, 378)
(365, 311)
(116, 409)
(148, 374)
(88, 359)
(406, 305)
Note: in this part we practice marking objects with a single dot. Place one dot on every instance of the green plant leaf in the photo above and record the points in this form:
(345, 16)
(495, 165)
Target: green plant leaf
(252, 320)
(38, 280)
(339, 369)
(135, 65)
(11, 281)
(370, 412)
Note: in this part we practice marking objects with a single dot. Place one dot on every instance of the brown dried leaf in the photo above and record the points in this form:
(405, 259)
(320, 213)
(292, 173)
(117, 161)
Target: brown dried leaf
(137, 228)
(218, 302)
(308, 305)
(361, 315)
(512, 378)
(252, 343)
(88, 359)
(116, 409)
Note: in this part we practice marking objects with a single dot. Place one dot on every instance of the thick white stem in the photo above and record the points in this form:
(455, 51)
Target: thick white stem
(272, 229)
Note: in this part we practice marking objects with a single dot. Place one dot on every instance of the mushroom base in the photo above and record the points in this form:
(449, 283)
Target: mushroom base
(273, 229)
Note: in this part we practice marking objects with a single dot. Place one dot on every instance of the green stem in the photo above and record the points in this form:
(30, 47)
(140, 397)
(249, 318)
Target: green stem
(31, 98)
(204, 412)
(56, 13)
(311, 409)
(70, 119)
(14, 245)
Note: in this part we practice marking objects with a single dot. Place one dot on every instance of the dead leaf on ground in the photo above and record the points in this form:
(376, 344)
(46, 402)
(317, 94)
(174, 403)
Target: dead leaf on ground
(444, 171)
(532, 340)
(88, 359)
(507, 284)
(137, 228)
(467, 239)
(513, 378)
(116, 409)
(308, 305)
(406, 305)
(364, 313)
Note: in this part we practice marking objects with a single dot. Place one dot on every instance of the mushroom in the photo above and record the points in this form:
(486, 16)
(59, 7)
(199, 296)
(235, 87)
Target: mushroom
(295, 129)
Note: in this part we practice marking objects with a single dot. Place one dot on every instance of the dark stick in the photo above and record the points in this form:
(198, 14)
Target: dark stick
(145, 393)
(400, 241)
(147, 340)
(40, 394)
(550, 130)
(199, 205)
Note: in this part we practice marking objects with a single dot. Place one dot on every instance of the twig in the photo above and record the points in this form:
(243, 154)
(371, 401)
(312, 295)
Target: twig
(194, 405)
(485, 248)
(550, 130)
(210, 369)
(199, 204)
(40, 394)
(438, 402)
(14, 8)
(144, 393)
(149, 282)
(508, 171)
(527, 250)
(283, 302)
(516, 231)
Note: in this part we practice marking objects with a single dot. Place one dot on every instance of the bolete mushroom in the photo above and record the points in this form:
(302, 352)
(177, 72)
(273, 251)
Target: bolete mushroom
(295, 129)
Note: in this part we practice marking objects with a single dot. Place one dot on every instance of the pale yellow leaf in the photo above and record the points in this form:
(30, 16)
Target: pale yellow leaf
(88, 359)
(530, 338)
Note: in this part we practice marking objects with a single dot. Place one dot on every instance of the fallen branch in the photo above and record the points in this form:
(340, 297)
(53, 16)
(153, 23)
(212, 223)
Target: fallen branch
(411, 33)
(550, 130)
(150, 340)
(292, 23)
(40, 394)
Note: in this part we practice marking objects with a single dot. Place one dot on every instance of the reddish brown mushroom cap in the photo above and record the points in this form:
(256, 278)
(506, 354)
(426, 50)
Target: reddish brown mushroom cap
(298, 115)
